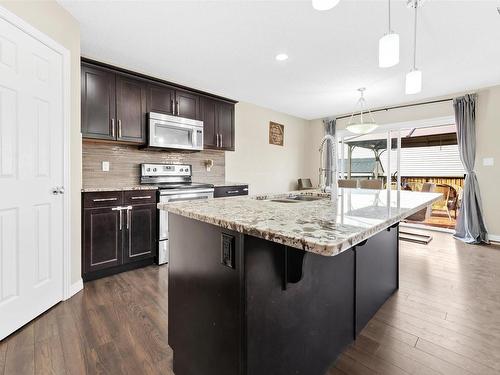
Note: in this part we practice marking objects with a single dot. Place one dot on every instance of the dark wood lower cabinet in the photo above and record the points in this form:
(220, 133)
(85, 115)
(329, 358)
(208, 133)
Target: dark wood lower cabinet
(230, 191)
(119, 236)
(102, 239)
(262, 308)
(140, 233)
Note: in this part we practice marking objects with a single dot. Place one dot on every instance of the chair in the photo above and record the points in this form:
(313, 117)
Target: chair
(344, 183)
(444, 203)
(305, 184)
(371, 184)
(424, 213)
(454, 200)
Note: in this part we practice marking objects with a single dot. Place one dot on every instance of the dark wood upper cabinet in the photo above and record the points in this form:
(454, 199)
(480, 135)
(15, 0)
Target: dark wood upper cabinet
(98, 103)
(130, 110)
(115, 103)
(140, 238)
(160, 99)
(187, 105)
(102, 238)
(208, 111)
(225, 122)
(218, 124)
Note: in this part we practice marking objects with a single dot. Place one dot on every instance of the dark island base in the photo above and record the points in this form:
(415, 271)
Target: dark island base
(240, 305)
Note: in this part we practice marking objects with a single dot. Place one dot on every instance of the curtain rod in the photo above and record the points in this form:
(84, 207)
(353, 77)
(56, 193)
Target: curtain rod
(400, 106)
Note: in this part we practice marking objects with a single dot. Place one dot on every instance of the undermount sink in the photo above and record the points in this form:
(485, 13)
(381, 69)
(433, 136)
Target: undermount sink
(284, 200)
(296, 199)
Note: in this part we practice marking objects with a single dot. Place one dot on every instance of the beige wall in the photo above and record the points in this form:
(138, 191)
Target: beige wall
(488, 145)
(267, 168)
(51, 19)
(488, 142)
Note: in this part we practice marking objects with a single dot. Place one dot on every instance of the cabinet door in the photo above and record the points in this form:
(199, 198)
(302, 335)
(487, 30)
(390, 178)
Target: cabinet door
(130, 109)
(140, 236)
(187, 104)
(208, 111)
(225, 125)
(160, 99)
(98, 103)
(102, 239)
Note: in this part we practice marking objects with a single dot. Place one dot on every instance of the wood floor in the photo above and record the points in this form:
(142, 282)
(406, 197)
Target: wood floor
(445, 319)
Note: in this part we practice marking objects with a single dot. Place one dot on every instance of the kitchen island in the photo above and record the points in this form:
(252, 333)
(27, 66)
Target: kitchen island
(280, 284)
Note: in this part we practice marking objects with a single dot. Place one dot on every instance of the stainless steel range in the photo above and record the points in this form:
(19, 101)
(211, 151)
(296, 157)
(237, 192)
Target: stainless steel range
(174, 182)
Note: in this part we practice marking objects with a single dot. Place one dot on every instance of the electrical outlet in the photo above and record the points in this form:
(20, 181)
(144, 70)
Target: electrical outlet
(105, 166)
(488, 162)
(227, 250)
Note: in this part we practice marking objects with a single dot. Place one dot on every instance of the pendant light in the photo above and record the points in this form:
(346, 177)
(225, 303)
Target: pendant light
(361, 125)
(414, 76)
(324, 4)
(388, 46)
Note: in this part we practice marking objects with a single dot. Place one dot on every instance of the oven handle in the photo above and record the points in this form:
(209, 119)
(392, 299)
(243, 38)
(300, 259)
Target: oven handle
(186, 192)
(184, 197)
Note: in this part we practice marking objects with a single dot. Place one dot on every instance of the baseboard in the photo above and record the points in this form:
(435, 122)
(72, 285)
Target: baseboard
(494, 237)
(75, 288)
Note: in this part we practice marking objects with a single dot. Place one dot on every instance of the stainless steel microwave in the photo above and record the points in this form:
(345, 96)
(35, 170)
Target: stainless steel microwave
(165, 131)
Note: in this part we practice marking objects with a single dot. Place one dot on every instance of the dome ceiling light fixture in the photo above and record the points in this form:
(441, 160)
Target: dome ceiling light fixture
(414, 76)
(388, 46)
(362, 125)
(324, 4)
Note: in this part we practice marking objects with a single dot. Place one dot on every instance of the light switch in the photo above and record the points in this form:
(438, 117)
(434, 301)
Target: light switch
(105, 166)
(488, 162)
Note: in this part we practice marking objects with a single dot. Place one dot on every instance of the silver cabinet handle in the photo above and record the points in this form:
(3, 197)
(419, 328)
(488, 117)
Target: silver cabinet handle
(104, 199)
(221, 143)
(119, 128)
(172, 104)
(217, 139)
(178, 108)
(113, 127)
(129, 208)
(119, 213)
(232, 191)
(143, 197)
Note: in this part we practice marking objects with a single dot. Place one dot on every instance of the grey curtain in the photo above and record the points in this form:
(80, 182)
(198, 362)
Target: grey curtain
(330, 127)
(470, 226)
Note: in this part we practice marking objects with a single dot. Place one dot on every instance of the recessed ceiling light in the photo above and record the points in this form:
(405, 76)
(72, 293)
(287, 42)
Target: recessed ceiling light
(281, 57)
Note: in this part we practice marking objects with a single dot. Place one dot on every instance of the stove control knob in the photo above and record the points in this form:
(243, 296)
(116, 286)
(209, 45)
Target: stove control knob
(154, 169)
(148, 169)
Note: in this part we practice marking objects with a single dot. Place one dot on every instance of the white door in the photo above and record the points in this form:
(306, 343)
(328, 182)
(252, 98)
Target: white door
(31, 165)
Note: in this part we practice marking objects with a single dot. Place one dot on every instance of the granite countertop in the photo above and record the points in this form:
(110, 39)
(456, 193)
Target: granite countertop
(323, 226)
(121, 188)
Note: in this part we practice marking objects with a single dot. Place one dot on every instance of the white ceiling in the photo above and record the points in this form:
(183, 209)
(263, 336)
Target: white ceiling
(228, 48)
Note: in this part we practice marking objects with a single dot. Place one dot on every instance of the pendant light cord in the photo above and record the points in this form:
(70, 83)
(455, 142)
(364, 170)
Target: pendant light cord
(389, 11)
(415, 37)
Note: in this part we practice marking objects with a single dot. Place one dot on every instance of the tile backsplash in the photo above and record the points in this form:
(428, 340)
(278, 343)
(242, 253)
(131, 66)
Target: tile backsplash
(124, 164)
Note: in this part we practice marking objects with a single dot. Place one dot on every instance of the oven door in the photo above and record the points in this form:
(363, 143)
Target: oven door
(175, 196)
(175, 134)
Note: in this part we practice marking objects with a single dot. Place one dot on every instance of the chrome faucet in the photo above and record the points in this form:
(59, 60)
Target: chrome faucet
(329, 172)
